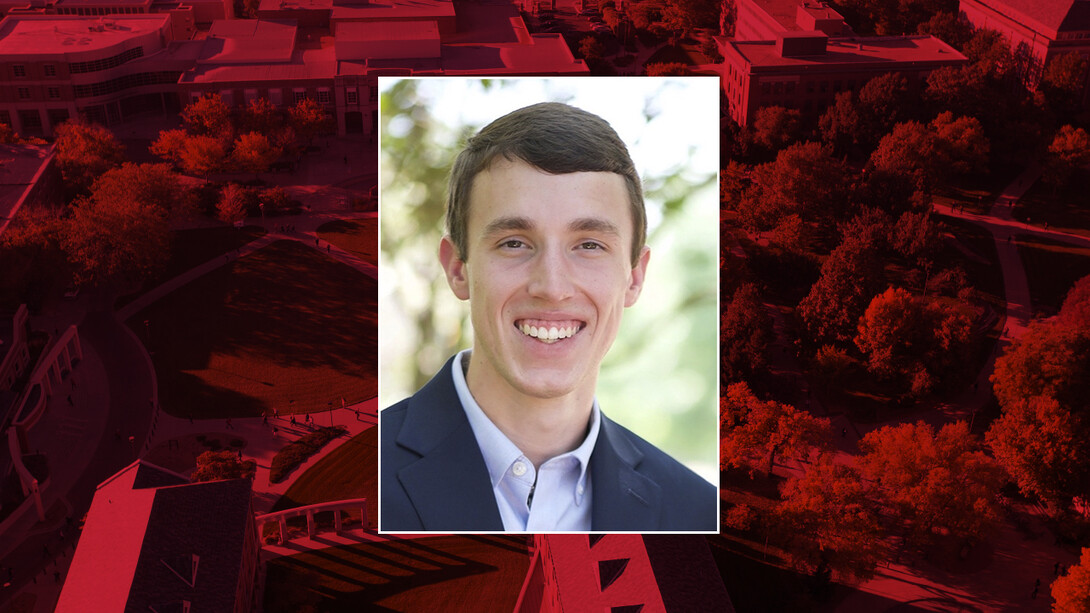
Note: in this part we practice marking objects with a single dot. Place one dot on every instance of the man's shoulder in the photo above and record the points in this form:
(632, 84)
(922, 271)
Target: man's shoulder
(685, 501)
(658, 463)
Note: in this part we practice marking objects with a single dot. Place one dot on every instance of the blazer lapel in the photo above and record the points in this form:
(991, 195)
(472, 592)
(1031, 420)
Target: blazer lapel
(624, 499)
(449, 484)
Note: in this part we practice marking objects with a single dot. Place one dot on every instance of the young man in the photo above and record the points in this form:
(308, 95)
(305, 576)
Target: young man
(546, 230)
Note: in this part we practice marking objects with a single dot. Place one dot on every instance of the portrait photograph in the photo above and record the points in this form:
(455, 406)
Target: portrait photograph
(548, 299)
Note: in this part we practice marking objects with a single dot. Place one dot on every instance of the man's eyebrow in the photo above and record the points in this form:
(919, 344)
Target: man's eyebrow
(506, 224)
(594, 224)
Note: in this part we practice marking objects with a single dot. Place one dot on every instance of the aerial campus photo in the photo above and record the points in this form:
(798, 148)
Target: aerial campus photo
(190, 203)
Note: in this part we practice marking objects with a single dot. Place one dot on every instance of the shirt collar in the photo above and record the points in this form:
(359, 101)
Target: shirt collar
(498, 450)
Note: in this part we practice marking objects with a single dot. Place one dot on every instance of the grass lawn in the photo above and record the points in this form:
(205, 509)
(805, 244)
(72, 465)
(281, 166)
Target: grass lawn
(1052, 267)
(285, 327)
(1065, 211)
(349, 471)
(447, 573)
(191, 248)
(357, 236)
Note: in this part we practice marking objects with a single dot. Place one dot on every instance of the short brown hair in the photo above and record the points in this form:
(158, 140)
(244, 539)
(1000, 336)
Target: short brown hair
(555, 138)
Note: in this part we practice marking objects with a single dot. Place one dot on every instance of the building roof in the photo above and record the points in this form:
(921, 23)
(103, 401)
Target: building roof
(386, 9)
(304, 64)
(22, 35)
(400, 30)
(193, 547)
(104, 563)
(785, 12)
(79, 3)
(247, 41)
(544, 54)
(145, 545)
(1047, 16)
(855, 50)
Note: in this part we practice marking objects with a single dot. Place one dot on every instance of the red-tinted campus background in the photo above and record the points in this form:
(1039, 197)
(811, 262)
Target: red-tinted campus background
(188, 245)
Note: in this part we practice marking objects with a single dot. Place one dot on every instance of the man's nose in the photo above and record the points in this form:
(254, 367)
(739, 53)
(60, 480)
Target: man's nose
(551, 276)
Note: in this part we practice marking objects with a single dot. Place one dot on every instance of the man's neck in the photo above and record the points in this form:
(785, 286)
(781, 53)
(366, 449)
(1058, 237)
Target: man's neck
(542, 428)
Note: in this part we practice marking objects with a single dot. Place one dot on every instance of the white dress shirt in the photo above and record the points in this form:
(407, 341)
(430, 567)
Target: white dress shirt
(561, 485)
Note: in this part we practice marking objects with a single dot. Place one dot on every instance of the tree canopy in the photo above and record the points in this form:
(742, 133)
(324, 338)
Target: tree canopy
(938, 481)
(755, 431)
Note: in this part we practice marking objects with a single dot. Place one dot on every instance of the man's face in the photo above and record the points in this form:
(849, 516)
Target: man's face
(548, 275)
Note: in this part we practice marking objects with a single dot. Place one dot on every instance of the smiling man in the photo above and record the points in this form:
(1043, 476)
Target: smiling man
(545, 239)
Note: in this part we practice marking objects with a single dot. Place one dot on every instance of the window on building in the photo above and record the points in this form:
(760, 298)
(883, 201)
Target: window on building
(54, 92)
(837, 85)
(50, 70)
(824, 86)
(31, 119)
(777, 87)
(323, 95)
(298, 95)
(57, 116)
(276, 96)
(19, 70)
(766, 88)
(809, 87)
(24, 93)
(352, 96)
(789, 87)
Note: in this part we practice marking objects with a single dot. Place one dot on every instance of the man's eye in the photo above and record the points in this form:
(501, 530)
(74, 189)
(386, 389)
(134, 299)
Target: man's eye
(513, 244)
(590, 246)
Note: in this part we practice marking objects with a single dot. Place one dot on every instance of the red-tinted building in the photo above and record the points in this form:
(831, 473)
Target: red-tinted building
(53, 67)
(766, 19)
(1038, 30)
(623, 573)
(806, 70)
(153, 541)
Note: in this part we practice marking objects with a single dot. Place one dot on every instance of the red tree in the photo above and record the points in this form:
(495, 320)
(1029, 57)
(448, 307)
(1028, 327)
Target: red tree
(755, 431)
(940, 482)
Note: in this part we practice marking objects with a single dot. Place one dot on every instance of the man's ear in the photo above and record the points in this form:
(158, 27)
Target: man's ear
(454, 267)
(635, 285)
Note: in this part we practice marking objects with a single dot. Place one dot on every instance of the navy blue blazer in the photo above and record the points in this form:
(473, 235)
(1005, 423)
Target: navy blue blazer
(434, 477)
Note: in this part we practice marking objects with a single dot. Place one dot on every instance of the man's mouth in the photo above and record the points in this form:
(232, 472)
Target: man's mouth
(549, 331)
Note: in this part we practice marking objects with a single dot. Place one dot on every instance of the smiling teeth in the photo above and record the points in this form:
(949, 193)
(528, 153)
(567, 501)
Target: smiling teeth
(548, 334)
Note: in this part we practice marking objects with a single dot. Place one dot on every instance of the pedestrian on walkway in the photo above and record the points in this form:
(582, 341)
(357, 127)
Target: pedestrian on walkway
(293, 419)
(275, 431)
(316, 241)
(276, 413)
(264, 419)
(357, 414)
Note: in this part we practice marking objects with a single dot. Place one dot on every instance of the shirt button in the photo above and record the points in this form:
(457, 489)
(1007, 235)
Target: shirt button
(519, 469)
